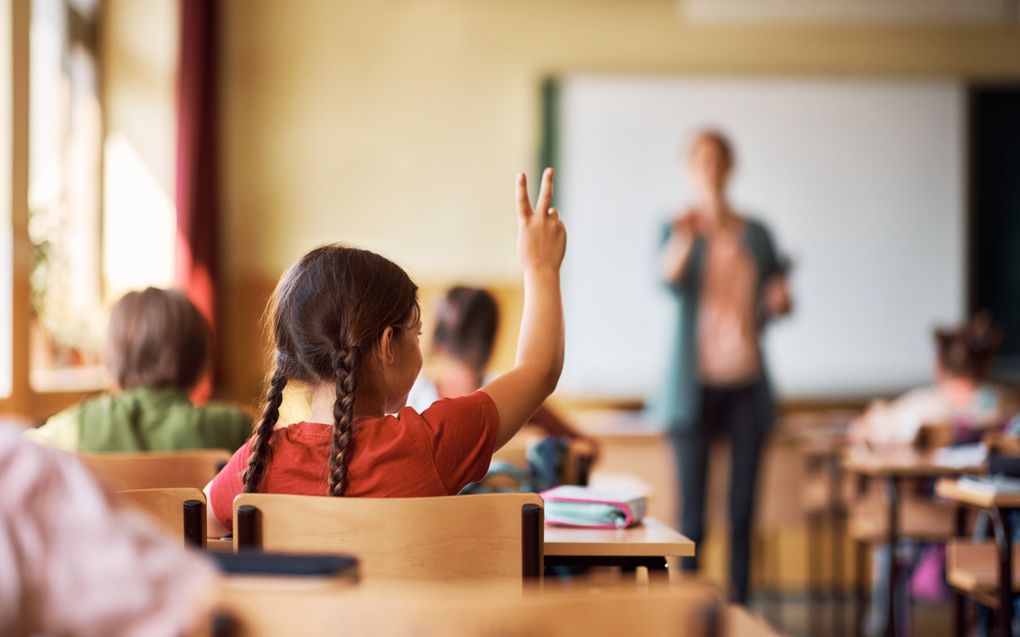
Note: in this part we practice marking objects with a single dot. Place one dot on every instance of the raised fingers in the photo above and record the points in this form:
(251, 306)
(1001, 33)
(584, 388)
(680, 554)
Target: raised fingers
(545, 195)
(523, 201)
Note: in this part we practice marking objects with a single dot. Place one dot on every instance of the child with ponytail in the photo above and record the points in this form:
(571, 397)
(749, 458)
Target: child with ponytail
(345, 325)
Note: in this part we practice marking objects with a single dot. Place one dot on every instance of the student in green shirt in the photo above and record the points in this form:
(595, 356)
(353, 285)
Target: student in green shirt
(157, 349)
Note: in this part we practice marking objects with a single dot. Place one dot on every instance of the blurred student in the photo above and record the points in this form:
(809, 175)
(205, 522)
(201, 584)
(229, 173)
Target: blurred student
(75, 562)
(959, 397)
(727, 280)
(157, 349)
(345, 322)
(467, 320)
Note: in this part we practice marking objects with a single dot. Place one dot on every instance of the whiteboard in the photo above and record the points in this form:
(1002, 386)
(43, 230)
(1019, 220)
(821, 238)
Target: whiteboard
(861, 182)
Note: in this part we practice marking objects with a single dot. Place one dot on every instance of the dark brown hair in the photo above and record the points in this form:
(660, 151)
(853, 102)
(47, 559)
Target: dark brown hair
(721, 141)
(156, 338)
(967, 350)
(466, 323)
(326, 314)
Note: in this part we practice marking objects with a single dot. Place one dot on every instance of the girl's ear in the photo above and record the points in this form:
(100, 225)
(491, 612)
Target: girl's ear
(387, 347)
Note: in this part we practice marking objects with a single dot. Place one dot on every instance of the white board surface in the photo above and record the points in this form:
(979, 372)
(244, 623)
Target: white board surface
(861, 182)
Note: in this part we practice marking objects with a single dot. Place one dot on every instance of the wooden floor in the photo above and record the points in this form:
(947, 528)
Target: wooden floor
(930, 620)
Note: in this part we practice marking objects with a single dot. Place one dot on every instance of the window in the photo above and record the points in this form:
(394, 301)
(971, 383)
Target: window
(6, 243)
(102, 136)
(65, 133)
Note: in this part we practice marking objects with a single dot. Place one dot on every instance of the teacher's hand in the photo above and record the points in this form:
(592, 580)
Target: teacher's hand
(687, 224)
(776, 296)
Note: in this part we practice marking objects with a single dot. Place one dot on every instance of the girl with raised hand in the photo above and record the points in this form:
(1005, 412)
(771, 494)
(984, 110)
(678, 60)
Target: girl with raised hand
(345, 324)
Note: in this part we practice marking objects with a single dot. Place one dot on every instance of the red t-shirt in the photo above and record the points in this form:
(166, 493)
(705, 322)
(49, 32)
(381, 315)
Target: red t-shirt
(434, 453)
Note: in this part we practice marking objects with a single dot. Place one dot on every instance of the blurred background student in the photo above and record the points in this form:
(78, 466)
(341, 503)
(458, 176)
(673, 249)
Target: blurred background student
(79, 563)
(466, 324)
(959, 394)
(728, 282)
(157, 350)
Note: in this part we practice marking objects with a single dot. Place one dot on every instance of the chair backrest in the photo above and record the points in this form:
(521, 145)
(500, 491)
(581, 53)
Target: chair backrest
(179, 511)
(934, 435)
(690, 609)
(491, 536)
(577, 462)
(156, 469)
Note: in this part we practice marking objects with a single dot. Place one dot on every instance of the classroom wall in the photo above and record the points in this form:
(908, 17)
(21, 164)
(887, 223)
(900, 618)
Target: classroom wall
(399, 125)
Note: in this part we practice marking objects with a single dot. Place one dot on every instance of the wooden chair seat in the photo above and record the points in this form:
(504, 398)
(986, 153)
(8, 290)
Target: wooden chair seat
(973, 567)
(491, 536)
(156, 469)
(180, 511)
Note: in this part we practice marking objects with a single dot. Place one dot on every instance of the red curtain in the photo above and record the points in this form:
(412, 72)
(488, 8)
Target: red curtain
(197, 192)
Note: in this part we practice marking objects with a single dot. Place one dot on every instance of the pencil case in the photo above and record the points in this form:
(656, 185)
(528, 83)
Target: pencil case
(593, 508)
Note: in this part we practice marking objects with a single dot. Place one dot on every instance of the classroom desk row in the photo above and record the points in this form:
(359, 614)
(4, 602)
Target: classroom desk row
(981, 571)
(892, 469)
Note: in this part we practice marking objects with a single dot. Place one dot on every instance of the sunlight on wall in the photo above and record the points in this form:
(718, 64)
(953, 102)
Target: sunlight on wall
(138, 228)
(140, 54)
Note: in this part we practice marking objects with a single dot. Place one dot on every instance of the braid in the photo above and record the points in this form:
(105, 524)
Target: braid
(260, 449)
(344, 363)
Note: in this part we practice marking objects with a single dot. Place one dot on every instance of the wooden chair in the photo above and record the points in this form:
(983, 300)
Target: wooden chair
(692, 609)
(156, 469)
(492, 536)
(576, 465)
(179, 511)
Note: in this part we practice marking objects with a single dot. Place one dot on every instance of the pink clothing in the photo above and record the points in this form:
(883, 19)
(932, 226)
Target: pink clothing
(75, 563)
(727, 334)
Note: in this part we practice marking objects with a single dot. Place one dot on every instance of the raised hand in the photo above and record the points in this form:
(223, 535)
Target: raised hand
(541, 236)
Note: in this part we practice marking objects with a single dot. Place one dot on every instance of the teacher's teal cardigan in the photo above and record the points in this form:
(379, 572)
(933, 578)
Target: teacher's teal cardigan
(678, 404)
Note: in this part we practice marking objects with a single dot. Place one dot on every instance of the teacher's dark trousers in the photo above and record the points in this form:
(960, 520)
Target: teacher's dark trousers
(734, 412)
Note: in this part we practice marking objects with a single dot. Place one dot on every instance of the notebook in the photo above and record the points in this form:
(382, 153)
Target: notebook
(593, 508)
(992, 485)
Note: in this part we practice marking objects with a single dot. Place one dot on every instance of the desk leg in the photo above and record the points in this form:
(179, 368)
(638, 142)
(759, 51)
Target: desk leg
(892, 491)
(836, 520)
(860, 584)
(1004, 540)
(814, 577)
(658, 573)
(959, 607)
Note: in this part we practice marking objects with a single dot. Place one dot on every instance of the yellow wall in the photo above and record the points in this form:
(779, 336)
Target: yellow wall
(398, 125)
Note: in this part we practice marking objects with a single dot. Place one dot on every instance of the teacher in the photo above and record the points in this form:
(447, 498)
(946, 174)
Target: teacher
(727, 280)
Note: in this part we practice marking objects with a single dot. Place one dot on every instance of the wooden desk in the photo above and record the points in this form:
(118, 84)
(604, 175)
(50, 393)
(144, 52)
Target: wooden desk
(892, 467)
(650, 544)
(975, 583)
(467, 610)
(739, 622)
